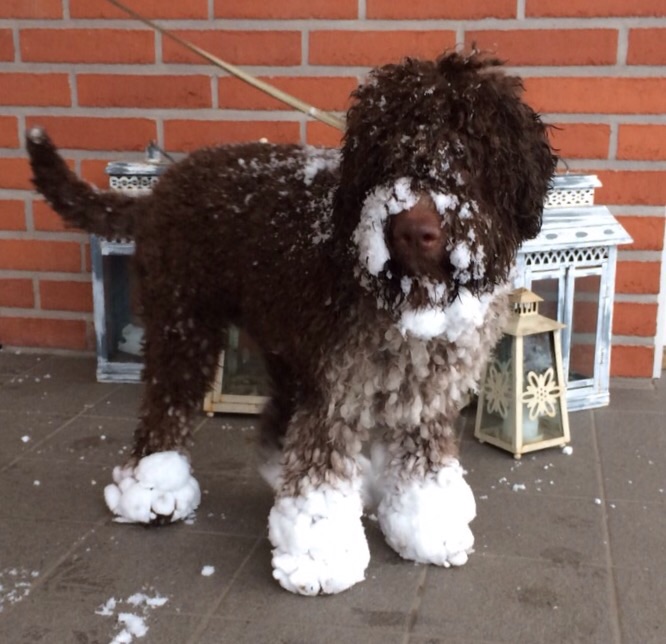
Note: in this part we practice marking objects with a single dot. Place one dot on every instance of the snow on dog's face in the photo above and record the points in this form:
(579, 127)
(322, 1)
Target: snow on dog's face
(424, 239)
(445, 150)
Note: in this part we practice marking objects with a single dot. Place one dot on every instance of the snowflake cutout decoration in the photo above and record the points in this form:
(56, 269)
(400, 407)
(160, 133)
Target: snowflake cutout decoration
(541, 393)
(497, 388)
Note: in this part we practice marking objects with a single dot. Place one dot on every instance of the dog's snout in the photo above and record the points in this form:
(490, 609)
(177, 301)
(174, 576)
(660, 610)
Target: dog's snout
(418, 229)
(417, 239)
(418, 234)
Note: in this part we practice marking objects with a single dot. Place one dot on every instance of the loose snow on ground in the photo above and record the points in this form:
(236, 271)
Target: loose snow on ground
(15, 585)
(132, 619)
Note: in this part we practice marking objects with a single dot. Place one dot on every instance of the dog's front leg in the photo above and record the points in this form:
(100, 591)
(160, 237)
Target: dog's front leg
(319, 545)
(426, 505)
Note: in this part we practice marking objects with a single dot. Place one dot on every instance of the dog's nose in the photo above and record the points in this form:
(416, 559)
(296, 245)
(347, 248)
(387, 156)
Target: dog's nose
(418, 230)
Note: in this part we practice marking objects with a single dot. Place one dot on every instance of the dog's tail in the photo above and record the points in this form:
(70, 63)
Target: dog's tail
(107, 214)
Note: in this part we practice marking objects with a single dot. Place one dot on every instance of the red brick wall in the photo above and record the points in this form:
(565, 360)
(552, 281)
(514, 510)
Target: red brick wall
(104, 85)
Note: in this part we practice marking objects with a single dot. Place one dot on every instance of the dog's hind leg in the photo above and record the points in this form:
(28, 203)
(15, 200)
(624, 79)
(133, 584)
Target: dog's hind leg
(275, 419)
(180, 354)
(319, 545)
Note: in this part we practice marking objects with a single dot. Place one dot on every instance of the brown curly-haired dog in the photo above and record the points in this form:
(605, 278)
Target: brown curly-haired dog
(374, 281)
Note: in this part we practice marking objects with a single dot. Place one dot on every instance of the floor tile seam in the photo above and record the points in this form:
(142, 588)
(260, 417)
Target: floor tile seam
(387, 630)
(228, 534)
(543, 495)
(63, 461)
(412, 615)
(55, 432)
(195, 637)
(630, 412)
(541, 560)
(652, 503)
(43, 578)
(38, 363)
(613, 594)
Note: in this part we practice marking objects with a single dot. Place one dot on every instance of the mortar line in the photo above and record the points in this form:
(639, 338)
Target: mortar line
(205, 620)
(608, 550)
(57, 431)
(416, 605)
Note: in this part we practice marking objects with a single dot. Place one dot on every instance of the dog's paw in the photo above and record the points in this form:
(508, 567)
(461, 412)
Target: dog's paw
(160, 489)
(427, 520)
(319, 542)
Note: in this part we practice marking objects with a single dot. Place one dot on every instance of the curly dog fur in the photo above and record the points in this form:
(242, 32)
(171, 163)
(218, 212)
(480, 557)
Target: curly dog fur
(373, 279)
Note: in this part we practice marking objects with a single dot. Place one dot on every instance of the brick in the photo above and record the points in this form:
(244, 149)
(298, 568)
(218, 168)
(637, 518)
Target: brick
(32, 9)
(637, 277)
(66, 296)
(324, 93)
(111, 90)
(647, 47)
(12, 214)
(16, 293)
(237, 47)
(35, 89)
(323, 135)
(37, 255)
(45, 333)
(87, 46)
(93, 171)
(639, 188)
(44, 219)
(15, 174)
(580, 140)
(149, 8)
(9, 132)
(93, 133)
(641, 142)
(376, 47)
(185, 135)
(603, 95)
(632, 318)
(6, 45)
(647, 232)
(286, 9)
(632, 361)
(446, 9)
(549, 46)
(599, 8)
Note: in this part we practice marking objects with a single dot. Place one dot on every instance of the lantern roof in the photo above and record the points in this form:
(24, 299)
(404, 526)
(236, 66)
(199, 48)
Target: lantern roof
(525, 318)
(571, 218)
(135, 168)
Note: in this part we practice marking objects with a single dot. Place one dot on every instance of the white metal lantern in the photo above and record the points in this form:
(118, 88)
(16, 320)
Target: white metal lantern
(522, 403)
(118, 328)
(571, 265)
(240, 385)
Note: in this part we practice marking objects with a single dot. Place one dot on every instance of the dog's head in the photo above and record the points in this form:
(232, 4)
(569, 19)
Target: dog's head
(444, 174)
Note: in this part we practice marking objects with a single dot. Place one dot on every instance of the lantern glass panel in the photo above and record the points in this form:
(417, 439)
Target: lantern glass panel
(124, 331)
(541, 389)
(244, 372)
(498, 392)
(550, 291)
(584, 327)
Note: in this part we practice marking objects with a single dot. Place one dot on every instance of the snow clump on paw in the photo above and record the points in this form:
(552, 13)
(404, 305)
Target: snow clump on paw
(161, 485)
(318, 539)
(427, 520)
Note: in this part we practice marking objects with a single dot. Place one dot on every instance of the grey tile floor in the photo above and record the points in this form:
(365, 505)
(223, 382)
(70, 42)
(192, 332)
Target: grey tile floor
(578, 555)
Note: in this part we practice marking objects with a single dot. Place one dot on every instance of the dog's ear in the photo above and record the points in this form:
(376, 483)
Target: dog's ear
(519, 161)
